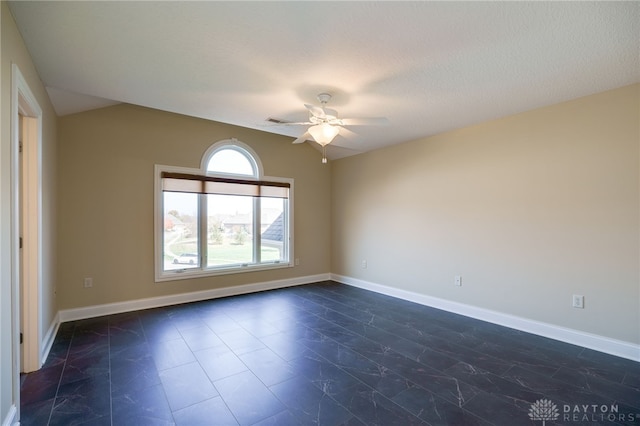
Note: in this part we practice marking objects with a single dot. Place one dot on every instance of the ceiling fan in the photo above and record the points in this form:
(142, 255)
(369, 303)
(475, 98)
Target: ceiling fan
(324, 124)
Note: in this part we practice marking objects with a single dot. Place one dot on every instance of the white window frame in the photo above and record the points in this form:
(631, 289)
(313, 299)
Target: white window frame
(203, 271)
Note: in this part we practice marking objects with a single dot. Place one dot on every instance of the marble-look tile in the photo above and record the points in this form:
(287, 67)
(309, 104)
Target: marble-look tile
(492, 384)
(338, 319)
(468, 338)
(435, 411)
(87, 366)
(96, 387)
(259, 327)
(248, 398)
(388, 359)
(367, 371)
(205, 413)
(284, 324)
(86, 401)
(315, 322)
(550, 387)
(284, 345)
(423, 354)
(219, 362)
(609, 360)
(373, 409)
(309, 404)
(88, 345)
(471, 356)
(186, 320)
(319, 354)
(268, 366)
(283, 418)
(36, 413)
(132, 363)
(65, 331)
(199, 338)
(595, 384)
(543, 344)
(132, 352)
(171, 353)
(497, 411)
(123, 336)
(59, 352)
(518, 358)
(558, 358)
(388, 383)
(186, 385)
(99, 325)
(303, 332)
(79, 419)
(147, 407)
(323, 374)
(632, 379)
(41, 385)
(373, 333)
(156, 332)
(133, 375)
(220, 323)
(443, 385)
(240, 341)
(124, 319)
(338, 334)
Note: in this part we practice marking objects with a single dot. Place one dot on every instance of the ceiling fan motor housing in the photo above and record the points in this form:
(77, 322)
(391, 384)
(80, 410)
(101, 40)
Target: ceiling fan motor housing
(324, 98)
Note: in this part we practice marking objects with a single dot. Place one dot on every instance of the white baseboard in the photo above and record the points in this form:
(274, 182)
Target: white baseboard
(47, 341)
(174, 299)
(10, 418)
(575, 337)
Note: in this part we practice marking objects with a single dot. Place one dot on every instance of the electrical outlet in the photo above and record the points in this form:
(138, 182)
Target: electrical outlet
(88, 282)
(578, 301)
(458, 280)
(364, 264)
(297, 261)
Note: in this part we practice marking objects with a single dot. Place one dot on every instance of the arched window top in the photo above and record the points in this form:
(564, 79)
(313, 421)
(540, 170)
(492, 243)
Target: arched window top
(232, 161)
(231, 157)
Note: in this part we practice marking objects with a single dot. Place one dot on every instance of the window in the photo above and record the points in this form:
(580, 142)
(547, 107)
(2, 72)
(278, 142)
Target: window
(222, 218)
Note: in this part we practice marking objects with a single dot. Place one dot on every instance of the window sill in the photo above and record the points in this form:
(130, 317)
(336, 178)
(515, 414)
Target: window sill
(187, 274)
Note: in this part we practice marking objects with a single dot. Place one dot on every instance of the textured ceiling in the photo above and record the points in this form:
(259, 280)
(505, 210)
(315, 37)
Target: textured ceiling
(428, 67)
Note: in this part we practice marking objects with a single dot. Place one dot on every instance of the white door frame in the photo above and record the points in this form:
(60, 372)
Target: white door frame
(24, 103)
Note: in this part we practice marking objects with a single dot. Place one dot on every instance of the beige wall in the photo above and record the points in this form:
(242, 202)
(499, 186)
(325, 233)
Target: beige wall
(14, 51)
(106, 200)
(529, 210)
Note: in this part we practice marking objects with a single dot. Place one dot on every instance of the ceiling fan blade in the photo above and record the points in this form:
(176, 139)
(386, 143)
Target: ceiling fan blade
(346, 133)
(372, 121)
(315, 111)
(303, 138)
(279, 122)
(297, 123)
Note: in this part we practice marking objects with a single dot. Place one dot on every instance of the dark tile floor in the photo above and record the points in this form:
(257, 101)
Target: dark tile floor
(322, 354)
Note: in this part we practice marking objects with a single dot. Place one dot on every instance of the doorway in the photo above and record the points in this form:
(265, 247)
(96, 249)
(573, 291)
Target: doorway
(29, 242)
(26, 212)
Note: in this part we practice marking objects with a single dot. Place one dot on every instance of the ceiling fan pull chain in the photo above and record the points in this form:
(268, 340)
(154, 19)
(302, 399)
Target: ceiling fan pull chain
(324, 154)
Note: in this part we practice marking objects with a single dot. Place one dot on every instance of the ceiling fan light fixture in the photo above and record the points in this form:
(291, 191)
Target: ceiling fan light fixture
(323, 133)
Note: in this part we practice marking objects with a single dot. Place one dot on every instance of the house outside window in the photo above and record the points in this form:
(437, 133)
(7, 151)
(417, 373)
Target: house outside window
(225, 217)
